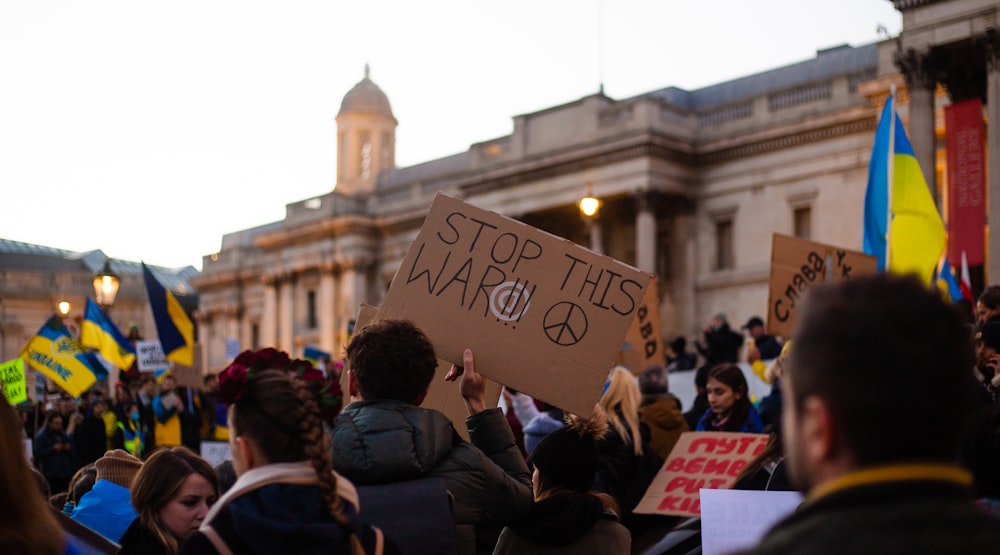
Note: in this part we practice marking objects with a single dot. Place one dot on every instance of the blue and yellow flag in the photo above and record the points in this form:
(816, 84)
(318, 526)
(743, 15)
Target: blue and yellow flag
(916, 236)
(99, 332)
(312, 354)
(172, 323)
(947, 283)
(54, 353)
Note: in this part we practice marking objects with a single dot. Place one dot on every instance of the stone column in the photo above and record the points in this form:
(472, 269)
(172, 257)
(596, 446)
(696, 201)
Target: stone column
(993, 158)
(326, 308)
(353, 275)
(233, 314)
(286, 314)
(645, 232)
(269, 320)
(920, 81)
(682, 274)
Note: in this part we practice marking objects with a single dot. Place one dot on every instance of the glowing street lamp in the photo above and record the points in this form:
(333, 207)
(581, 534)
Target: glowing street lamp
(589, 206)
(64, 308)
(106, 285)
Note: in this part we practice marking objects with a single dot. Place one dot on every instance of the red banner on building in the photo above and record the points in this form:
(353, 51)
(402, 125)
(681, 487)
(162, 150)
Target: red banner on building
(966, 181)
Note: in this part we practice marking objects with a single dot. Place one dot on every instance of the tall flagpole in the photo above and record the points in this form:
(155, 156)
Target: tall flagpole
(890, 163)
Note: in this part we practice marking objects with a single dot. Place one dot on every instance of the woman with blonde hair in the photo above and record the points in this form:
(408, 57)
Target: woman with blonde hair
(172, 494)
(287, 498)
(27, 524)
(627, 464)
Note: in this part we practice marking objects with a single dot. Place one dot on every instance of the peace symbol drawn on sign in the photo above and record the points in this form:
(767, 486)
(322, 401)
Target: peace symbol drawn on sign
(565, 323)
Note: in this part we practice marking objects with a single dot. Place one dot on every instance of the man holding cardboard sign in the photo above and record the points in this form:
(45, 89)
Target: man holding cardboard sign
(386, 438)
(877, 464)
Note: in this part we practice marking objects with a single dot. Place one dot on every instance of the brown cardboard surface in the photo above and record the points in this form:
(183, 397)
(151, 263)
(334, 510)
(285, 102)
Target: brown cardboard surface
(442, 396)
(795, 265)
(541, 313)
(189, 375)
(709, 460)
(643, 344)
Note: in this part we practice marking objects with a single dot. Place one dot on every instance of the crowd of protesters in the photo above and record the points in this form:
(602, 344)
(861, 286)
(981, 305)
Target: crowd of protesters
(532, 478)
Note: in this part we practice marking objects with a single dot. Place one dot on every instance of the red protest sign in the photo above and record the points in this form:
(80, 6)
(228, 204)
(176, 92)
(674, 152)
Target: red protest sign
(710, 460)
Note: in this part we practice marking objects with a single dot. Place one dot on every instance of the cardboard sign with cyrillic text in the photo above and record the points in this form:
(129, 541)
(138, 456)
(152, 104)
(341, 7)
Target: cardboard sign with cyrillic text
(643, 346)
(442, 396)
(710, 460)
(541, 313)
(797, 264)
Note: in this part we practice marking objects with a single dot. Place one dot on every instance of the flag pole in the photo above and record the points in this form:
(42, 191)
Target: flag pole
(890, 162)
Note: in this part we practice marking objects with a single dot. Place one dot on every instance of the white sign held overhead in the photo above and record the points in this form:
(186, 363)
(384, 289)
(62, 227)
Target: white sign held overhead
(150, 357)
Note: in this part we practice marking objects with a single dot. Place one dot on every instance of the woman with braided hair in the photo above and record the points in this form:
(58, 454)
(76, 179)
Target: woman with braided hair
(287, 498)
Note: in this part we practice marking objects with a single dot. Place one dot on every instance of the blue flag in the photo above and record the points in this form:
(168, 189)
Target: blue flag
(174, 327)
(877, 195)
(54, 353)
(99, 332)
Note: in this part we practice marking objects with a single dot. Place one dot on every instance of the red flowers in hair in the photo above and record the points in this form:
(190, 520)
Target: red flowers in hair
(234, 379)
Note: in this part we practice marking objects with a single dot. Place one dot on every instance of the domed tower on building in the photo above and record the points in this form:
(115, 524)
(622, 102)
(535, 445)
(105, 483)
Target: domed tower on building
(366, 137)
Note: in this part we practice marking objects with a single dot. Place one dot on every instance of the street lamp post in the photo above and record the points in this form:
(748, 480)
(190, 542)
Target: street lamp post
(589, 207)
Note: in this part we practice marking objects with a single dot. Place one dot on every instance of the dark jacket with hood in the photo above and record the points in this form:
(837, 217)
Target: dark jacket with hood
(564, 524)
(261, 515)
(386, 441)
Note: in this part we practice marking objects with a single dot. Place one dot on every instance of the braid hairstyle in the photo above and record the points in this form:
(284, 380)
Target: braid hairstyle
(280, 414)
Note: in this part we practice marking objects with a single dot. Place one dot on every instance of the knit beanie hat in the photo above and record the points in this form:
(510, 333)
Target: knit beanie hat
(118, 467)
(567, 457)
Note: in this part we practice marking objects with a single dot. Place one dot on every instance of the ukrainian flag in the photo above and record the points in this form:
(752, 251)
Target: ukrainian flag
(173, 325)
(312, 354)
(947, 283)
(916, 236)
(54, 353)
(99, 332)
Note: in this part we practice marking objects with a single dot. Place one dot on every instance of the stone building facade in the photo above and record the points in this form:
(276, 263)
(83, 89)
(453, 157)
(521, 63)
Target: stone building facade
(693, 184)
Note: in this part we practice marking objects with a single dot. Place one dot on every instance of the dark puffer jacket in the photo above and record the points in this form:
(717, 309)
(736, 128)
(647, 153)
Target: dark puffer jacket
(379, 442)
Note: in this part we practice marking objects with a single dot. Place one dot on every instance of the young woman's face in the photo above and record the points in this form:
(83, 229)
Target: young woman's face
(183, 514)
(721, 397)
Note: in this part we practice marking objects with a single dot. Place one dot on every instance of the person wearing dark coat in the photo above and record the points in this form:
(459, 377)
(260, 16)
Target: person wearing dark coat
(90, 440)
(387, 438)
(566, 517)
(54, 453)
(721, 344)
(878, 473)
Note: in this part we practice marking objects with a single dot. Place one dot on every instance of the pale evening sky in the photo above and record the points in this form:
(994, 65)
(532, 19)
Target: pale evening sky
(148, 130)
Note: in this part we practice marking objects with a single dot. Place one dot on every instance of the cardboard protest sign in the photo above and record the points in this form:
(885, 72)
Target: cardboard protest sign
(216, 452)
(442, 396)
(542, 314)
(149, 356)
(699, 460)
(189, 375)
(643, 346)
(14, 382)
(733, 520)
(795, 265)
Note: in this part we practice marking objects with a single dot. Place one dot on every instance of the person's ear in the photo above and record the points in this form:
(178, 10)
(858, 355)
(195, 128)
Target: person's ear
(817, 431)
(352, 384)
(246, 452)
(420, 398)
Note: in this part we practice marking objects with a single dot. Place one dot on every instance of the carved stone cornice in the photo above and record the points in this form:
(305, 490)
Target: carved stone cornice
(902, 5)
(355, 263)
(650, 148)
(788, 141)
